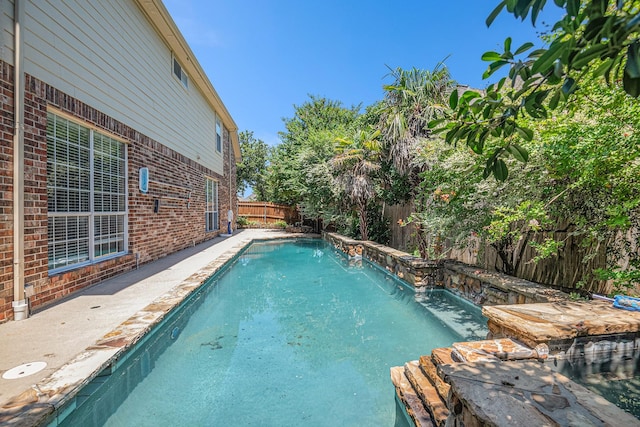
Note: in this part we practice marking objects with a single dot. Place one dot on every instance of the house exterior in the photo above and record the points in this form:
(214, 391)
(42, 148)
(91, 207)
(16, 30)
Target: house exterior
(116, 149)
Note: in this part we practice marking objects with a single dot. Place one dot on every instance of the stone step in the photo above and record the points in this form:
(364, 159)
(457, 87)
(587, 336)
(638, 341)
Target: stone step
(443, 356)
(431, 372)
(410, 399)
(525, 393)
(493, 350)
(427, 392)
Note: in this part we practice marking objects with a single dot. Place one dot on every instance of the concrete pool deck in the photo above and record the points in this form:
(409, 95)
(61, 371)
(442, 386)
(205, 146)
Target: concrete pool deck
(77, 336)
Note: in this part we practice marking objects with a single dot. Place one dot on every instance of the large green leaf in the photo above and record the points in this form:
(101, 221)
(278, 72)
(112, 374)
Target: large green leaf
(631, 85)
(453, 99)
(500, 171)
(518, 152)
(507, 43)
(555, 100)
(633, 60)
(546, 60)
(525, 133)
(493, 67)
(491, 56)
(468, 95)
(526, 46)
(492, 16)
(433, 123)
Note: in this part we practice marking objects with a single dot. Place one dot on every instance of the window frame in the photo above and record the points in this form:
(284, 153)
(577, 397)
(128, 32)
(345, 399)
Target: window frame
(219, 135)
(211, 205)
(105, 188)
(179, 74)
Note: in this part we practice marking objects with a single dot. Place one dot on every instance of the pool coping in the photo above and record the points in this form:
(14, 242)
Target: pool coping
(38, 404)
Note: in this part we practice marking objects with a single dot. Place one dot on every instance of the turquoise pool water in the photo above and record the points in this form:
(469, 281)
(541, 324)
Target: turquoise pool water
(290, 334)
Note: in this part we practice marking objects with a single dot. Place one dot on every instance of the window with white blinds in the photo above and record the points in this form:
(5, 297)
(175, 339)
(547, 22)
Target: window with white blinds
(86, 193)
(211, 217)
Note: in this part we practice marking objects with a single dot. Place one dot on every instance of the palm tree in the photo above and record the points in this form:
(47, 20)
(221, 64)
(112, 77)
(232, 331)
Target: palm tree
(355, 164)
(414, 99)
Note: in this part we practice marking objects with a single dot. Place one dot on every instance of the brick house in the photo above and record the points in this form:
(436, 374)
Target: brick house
(116, 149)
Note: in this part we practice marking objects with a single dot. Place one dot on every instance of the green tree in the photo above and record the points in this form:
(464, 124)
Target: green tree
(580, 178)
(299, 173)
(251, 172)
(355, 165)
(598, 38)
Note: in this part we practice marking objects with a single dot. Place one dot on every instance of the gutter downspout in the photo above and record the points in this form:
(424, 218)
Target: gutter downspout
(230, 149)
(20, 307)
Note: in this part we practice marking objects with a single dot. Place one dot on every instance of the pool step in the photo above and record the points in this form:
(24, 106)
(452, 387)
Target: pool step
(427, 391)
(443, 356)
(497, 349)
(422, 388)
(430, 370)
(410, 399)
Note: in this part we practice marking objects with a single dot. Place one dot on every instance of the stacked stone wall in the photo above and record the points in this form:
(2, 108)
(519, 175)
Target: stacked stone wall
(483, 287)
(475, 284)
(415, 271)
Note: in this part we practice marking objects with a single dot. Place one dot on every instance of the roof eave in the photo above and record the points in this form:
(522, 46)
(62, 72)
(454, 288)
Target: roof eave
(159, 17)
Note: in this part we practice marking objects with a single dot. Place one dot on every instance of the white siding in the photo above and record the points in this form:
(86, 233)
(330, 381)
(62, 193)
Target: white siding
(107, 55)
(6, 25)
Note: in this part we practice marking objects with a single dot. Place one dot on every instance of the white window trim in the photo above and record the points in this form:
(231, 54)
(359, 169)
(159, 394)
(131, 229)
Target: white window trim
(183, 78)
(216, 205)
(219, 126)
(92, 214)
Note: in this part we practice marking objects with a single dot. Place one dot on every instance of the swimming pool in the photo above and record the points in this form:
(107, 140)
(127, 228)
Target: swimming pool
(290, 333)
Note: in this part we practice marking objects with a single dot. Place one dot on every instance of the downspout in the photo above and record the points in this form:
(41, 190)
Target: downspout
(20, 308)
(230, 149)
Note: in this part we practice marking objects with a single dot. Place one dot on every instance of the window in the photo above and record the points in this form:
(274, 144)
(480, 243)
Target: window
(179, 73)
(86, 193)
(218, 136)
(211, 220)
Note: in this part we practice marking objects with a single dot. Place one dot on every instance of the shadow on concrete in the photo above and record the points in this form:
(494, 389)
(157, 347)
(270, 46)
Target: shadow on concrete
(122, 281)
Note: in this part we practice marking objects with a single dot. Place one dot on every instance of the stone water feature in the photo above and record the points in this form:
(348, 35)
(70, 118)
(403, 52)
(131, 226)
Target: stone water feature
(513, 378)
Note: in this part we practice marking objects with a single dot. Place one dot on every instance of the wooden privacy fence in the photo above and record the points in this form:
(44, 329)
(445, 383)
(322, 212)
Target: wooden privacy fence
(572, 269)
(268, 213)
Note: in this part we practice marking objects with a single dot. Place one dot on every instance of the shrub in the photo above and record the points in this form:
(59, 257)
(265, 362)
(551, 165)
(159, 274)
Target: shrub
(242, 221)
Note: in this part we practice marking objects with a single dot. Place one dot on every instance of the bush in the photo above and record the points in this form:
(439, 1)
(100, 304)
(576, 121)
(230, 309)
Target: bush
(281, 224)
(242, 221)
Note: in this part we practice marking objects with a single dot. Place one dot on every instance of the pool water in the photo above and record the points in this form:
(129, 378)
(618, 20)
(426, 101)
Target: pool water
(292, 333)
(618, 381)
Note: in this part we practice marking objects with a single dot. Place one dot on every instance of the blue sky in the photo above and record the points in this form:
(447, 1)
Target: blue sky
(265, 56)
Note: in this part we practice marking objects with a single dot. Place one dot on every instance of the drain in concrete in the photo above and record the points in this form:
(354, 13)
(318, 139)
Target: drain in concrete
(25, 370)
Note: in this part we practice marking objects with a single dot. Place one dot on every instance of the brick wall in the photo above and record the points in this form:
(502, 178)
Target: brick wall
(178, 183)
(229, 172)
(6, 190)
